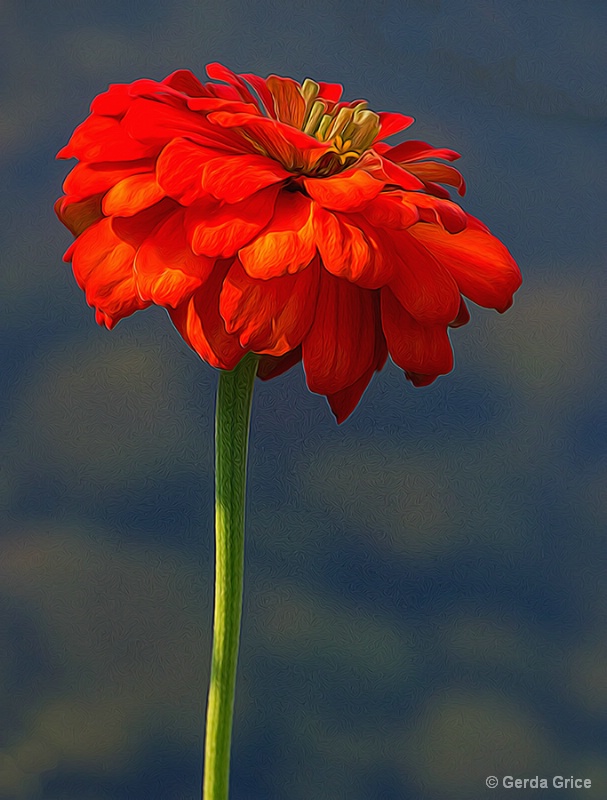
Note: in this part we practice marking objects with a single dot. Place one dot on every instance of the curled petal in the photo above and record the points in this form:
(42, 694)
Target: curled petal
(340, 346)
(166, 269)
(414, 150)
(414, 346)
(442, 173)
(481, 265)
(272, 316)
(199, 322)
(103, 267)
(221, 229)
(350, 190)
(287, 244)
(289, 105)
(436, 210)
(218, 72)
(77, 215)
(132, 194)
(393, 210)
(463, 316)
(400, 177)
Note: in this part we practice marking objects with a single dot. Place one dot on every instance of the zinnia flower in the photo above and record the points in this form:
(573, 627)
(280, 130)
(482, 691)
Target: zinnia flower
(268, 216)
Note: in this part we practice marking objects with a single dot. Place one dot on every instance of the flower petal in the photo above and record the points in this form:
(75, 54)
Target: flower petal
(104, 139)
(270, 367)
(86, 179)
(132, 194)
(400, 177)
(167, 271)
(199, 322)
(422, 285)
(340, 346)
(391, 123)
(185, 81)
(78, 215)
(103, 267)
(414, 346)
(344, 402)
(220, 229)
(415, 150)
(481, 265)
(234, 178)
(272, 316)
(287, 244)
(350, 190)
(289, 105)
(439, 173)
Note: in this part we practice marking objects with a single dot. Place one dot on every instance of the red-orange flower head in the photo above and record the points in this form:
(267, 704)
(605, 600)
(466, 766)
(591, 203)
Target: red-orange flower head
(268, 216)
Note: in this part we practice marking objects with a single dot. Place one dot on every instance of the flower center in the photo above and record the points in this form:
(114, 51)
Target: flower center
(349, 130)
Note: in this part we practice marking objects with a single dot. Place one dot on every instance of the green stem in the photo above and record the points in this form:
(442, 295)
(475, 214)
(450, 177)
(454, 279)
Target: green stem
(232, 417)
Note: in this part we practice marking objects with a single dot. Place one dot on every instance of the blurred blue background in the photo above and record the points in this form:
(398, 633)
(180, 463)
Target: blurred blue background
(426, 585)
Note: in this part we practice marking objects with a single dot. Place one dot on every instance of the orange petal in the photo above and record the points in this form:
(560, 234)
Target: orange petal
(289, 105)
(482, 267)
(103, 267)
(221, 229)
(199, 322)
(414, 347)
(392, 210)
(234, 178)
(132, 194)
(287, 244)
(340, 346)
(166, 269)
(350, 190)
(422, 285)
(179, 167)
(272, 316)
(400, 177)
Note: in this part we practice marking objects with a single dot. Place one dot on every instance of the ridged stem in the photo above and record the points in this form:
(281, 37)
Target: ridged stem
(232, 419)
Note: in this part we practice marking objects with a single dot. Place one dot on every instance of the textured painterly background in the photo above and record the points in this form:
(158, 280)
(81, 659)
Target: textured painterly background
(426, 585)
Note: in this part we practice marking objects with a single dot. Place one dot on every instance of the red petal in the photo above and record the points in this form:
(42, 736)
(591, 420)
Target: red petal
(350, 190)
(345, 401)
(218, 72)
(414, 347)
(104, 139)
(400, 177)
(392, 210)
(287, 244)
(234, 178)
(271, 367)
(481, 265)
(331, 92)
(422, 285)
(391, 123)
(442, 212)
(269, 316)
(221, 229)
(132, 194)
(463, 315)
(167, 271)
(415, 150)
(289, 105)
(87, 179)
(441, 173)
(259, 84)
(340, 346)
(185, 81)
(103, 267)
(199, 322)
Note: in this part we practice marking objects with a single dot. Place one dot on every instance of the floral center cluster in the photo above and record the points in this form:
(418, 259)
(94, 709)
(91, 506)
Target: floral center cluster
(349, 131)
